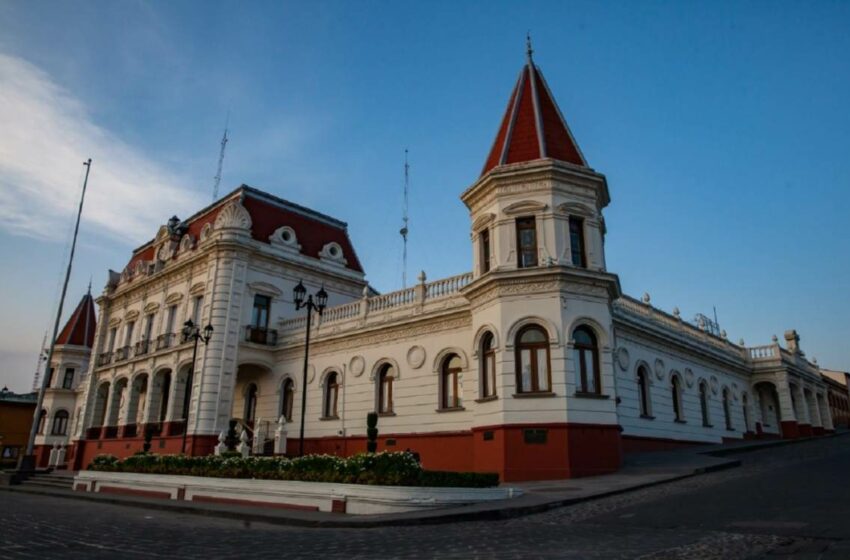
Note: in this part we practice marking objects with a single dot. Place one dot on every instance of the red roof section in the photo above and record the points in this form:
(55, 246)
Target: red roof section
(312, 234)
(268, 213)
(531, 116)
(79, 330)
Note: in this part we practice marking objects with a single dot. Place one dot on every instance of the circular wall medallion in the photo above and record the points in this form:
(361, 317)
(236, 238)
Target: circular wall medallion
(623, 358)
(714, 384)
(416, 357)
(659, 369)
(689, 377)
(357, 365)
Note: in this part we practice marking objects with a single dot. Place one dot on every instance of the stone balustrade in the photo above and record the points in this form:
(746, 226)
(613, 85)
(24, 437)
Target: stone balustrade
(421, 294)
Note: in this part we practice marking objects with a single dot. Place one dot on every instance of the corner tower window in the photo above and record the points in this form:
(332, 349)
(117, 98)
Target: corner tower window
(577, 242)
(532, 351)
(526, 242)
(484, 241)
(488, 366)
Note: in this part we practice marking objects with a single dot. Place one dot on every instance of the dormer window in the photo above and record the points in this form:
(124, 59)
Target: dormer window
(526, 241)
(577, 242)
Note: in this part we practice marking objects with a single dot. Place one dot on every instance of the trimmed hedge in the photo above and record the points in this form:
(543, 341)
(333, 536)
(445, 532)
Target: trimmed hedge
(396, 468)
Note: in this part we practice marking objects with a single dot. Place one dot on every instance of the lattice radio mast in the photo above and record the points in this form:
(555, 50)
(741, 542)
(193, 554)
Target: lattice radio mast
(42, 355)
(217, 178)
(404, 219)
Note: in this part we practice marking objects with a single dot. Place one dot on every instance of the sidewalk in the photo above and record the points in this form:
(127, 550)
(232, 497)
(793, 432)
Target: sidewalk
(639, 471)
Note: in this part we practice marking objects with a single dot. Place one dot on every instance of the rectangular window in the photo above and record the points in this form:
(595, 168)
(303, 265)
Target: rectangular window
(113, 333)
(577, 242)
(68, 381)
(485, 251)
(172, 315)
(262, 306)
(196, 310)
(128, 338)
(526, 241)
(149, 326)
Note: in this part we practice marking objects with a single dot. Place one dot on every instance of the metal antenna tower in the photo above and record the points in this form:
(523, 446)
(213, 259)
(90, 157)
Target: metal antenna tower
(404, 219)
(217, 178)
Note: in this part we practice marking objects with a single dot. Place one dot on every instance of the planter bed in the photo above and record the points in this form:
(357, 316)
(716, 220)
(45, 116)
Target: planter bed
(355, 499)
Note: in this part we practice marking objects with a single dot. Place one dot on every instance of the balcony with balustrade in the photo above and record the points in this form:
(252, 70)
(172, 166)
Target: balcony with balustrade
(423, 298)
(260, 335)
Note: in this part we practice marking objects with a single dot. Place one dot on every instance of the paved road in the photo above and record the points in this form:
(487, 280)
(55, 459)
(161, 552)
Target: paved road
(790, 502)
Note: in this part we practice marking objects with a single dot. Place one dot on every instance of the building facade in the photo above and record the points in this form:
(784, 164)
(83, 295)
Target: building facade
(534, 365)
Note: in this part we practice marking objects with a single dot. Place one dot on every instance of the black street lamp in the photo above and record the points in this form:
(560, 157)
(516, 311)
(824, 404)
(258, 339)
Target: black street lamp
(191, 331)
(319, 305)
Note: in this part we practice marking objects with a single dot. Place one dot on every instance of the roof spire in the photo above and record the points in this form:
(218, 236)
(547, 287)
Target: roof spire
(528, 50)
(89, 292)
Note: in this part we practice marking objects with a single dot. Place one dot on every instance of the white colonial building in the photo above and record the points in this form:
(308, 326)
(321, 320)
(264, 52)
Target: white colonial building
(534, 365)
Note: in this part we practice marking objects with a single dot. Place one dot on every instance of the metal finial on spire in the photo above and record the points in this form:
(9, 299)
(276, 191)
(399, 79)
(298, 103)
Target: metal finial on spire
(90, 285)
(528, 50)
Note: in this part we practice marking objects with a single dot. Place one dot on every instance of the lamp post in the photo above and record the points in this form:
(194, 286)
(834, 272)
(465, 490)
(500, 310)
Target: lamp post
(319, 305)
(191, 331)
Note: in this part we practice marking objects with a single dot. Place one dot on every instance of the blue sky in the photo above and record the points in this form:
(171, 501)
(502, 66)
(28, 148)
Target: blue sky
(722, 127)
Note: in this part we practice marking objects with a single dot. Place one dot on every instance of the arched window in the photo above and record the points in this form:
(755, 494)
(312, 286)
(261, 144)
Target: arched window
(166, 390)
(746, 406)
(703, 403)
(727, 413)
(585, 357)
(60, 423)
(488, 366)
(532, 356)
(42, 418)
(643, 392)
(331, 395)
(250, 403)
(287, 400)
(450, 382)
(385, 389)
(676, 388)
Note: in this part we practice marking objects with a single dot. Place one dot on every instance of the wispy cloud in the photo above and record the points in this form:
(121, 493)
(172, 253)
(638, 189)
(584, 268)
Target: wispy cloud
(46, 135)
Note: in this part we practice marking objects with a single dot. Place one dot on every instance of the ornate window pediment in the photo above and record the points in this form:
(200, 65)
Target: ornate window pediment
(483, 220)
(197, 288)
(265, 288)
(131, 315)
(576, 209)
(151, 307)
(173, 298)
(525, 207)
(163, 233)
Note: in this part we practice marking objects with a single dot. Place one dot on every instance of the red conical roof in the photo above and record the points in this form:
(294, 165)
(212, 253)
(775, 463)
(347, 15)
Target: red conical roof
(533, 126)
(79, 330)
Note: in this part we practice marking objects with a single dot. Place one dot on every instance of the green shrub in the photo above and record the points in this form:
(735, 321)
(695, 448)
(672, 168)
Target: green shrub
(388, 468)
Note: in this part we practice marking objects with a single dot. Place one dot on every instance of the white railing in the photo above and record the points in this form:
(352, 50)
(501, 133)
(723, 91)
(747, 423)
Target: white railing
(420, 294)
(763, 352)
(392, 299)
(673, 323)
(340, 312)
(447, 286)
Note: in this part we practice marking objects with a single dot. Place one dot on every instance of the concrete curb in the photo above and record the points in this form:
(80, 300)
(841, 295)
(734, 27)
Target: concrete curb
(476, 512)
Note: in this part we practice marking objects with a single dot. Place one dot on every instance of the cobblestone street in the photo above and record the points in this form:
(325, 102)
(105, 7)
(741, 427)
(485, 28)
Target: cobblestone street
(788, 501)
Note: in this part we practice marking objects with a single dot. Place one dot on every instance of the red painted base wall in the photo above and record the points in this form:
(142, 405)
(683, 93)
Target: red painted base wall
(637, 444)
(790, 429)
(86, 450)
(552, 451)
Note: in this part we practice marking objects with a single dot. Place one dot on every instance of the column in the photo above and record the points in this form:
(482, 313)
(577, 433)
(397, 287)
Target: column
(788, 418)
